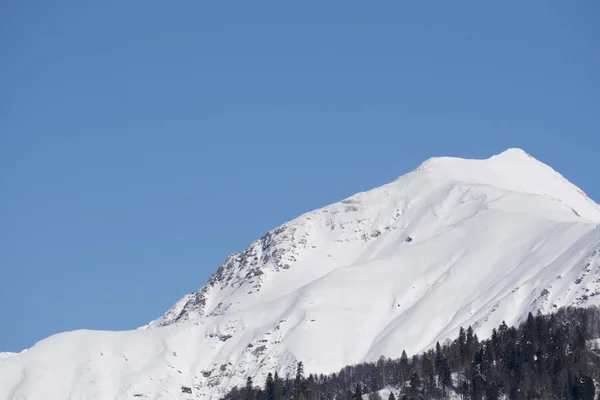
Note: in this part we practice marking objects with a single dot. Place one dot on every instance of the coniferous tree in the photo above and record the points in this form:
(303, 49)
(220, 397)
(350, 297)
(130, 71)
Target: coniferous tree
(310, 388)
(546, 357)
(414, 390)
(428, 378)
(358, 392)
(299, 382)
(477, 382)
(269, 387)
(249, 392)
(379, 378)
(470, 343)
(461, 354)
(438, 357)
(404, 368)
(445, 376)
(278, 385)
(528, 340)
(462, 345)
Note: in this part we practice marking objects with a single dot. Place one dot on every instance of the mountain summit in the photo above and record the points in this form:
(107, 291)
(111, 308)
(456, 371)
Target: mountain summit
(514, 170)
(453, 243)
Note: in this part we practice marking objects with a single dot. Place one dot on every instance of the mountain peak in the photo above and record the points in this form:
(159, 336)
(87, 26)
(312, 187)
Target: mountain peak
(516, 157)
(514, 153)
(509, 157)
(514, 170)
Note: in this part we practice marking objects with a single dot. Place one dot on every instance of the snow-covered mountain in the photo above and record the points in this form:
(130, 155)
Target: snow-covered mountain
(454, 243)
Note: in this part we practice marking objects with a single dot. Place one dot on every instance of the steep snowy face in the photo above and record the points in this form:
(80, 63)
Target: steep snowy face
(454, 243)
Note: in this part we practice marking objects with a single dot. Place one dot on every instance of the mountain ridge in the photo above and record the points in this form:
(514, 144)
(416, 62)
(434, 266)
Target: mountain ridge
(453, 243)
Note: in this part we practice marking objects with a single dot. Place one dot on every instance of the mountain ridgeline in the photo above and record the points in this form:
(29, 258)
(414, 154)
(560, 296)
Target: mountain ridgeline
(399, 268)
(554, 356)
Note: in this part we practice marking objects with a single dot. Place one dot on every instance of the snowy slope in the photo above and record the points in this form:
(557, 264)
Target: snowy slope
(454, 243)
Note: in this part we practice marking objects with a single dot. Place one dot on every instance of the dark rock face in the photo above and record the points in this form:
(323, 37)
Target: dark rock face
(185, 389)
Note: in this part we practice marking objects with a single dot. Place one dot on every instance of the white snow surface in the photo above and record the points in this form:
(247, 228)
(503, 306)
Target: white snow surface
(454, 243)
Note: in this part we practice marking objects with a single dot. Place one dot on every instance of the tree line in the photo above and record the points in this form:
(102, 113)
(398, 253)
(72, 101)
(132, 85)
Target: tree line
(546, 357)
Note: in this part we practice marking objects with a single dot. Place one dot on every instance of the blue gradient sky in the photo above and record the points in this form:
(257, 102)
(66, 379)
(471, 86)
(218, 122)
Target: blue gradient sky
(143, 142)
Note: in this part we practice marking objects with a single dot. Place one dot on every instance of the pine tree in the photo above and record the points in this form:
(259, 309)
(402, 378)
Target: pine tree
(528, 339)
(462, 345)
(470, 344)
(404, 368)
(414, 389)
(249, 392)
(502, 332)
(495, 340)
(309, 387)
(269, 387)
(391, 396)
(278, 387)
(438, 357)
(300, 371)
(299, 382)
(477, 381)
(379, 380)
(445, 376)
(428, 378)
(358, 392)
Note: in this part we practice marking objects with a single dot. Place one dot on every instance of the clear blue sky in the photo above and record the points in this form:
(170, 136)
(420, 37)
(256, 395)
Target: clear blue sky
(143, 142)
